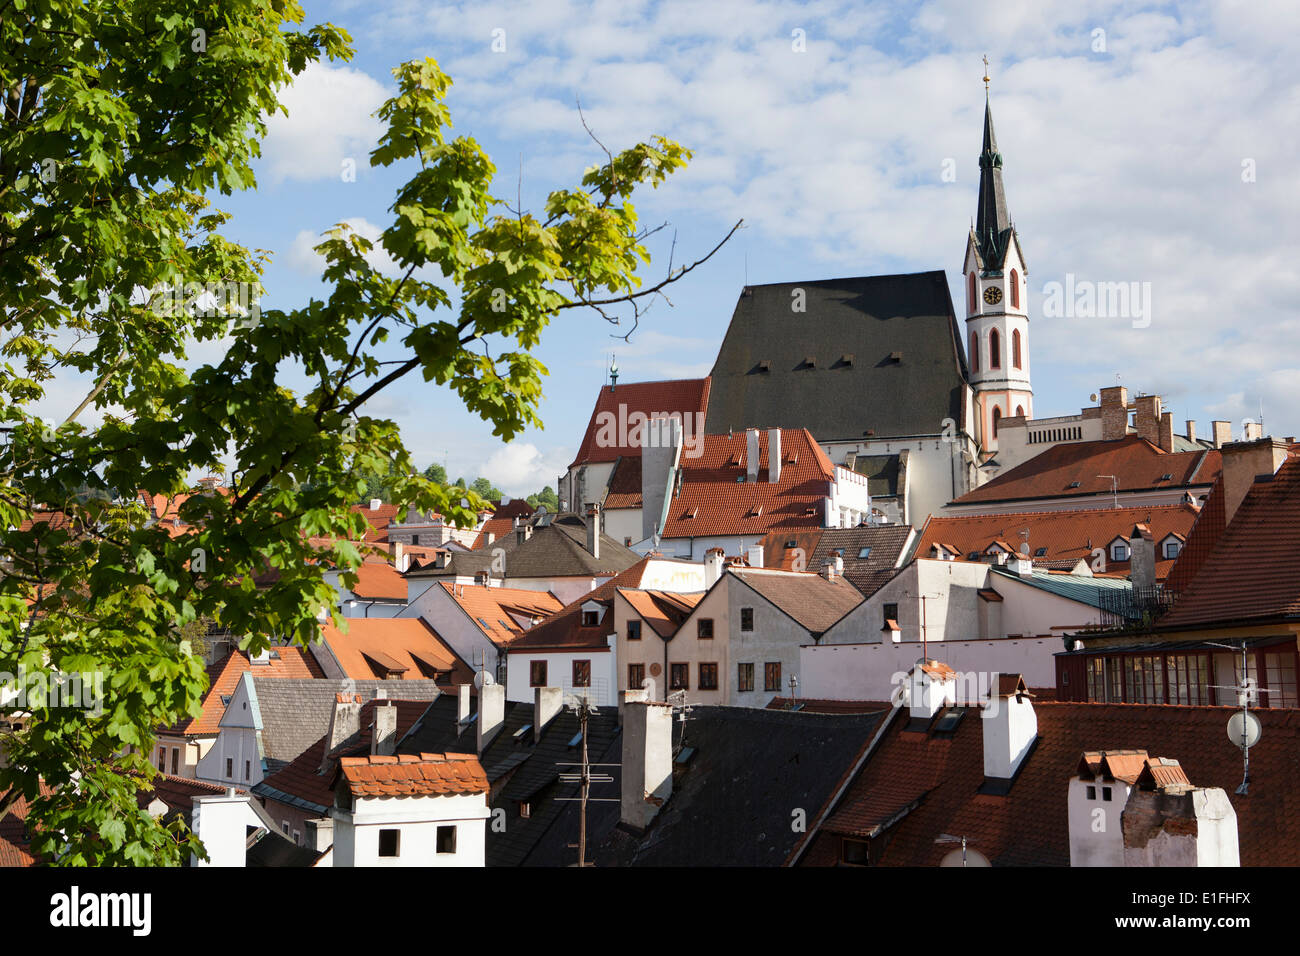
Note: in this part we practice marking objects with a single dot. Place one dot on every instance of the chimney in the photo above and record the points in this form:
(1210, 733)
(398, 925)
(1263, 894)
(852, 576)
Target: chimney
(838, 556)
(523, 533)
(384, 739)
(1168, 822)
(220, 821)
(1220, 433)
(443, 558)
(547, 702)
(375, 503)
(751, 454)
(1010, 728)
(713, 566)
(345, 723)
(1146, 417)
(1191, 430)
(1167, 431)
(754, 555)
(774, 455)
(209, 484)
(1142, 557)
(593, 529)
(491, 712)
(1242, 463)
(661, 453)
(1252, 431)
(828, 569)
(400, 558)
(933, 686)
(647, 760)
(1114, 412)
(462, 707)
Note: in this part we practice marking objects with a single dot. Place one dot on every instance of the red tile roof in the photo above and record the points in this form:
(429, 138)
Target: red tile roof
(624, 484)
(493, 610)
(379, 580)
(403, 648)
(224, 675)
(1250, 574)
(502, 521)
(410, 775)
(1028, 826)
(564, 627)
(379, 520)
(651, 399)
(1200, 541)
(1137, 464)
(15, 847)
(664, 611)
(713, 502)
(1068, 536)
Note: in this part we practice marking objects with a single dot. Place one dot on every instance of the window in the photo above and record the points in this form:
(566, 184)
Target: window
(525, 809)
(162, 759)
(1144, 679)
(537, 673)
(1280, 672)
(1106, 794)
(297, 837)
(995, 349)
(1092, 793)
(447, 839)
(590, 619)
(854, 852)
(582, 673)
(708, 677)
(1119, 551)
(680, 677)
(248, 770)
(389, 841)
(1189, 678)
(864, 552)
(972, 298)
(635, 676)
(891, 614)
(415, 539)
(176, 759)
(284, 825)
(974, 352)
(704, 629)
(1015, 294)
(634, 630)
(772, 675)
(746, 618)
(745, 677)
(1015, 348)
(1020, 411)
(1172, 548)
(230, 768)
(997, 418)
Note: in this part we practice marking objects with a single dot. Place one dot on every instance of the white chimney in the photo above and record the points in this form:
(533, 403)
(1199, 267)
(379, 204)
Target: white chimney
(774, 455)
(751, 454)
(647, 760)
(1010, 727)
(383, 740)
(713, 566)
(755, 555)
(375, 504)
(933, 686)
(828, 569)
(462, 706)
(491, 712)
(548, 701)
(400, 558)
(838, 557)
(593, 529)
(221, 822)
(345, 723)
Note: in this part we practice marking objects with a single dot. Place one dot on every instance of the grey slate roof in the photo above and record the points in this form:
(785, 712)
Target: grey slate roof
(851, 328)
(520, 770)
(733, 802)
(296, 712)
(870, 573)
(557, 548)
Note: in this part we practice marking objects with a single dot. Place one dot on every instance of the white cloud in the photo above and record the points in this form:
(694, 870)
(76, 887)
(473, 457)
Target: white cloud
(304, 258)
(521, 468)
(329, 122)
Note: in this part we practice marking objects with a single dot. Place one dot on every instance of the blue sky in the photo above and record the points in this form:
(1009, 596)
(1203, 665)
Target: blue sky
(1150, 143)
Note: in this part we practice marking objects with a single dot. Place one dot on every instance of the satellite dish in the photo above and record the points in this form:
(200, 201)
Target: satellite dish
(1092, 397)
(1244, 729)
(1024, 549)
(973, 858)
(483, 679)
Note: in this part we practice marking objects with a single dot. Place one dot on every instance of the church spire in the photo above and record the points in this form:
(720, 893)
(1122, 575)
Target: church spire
(992, 224)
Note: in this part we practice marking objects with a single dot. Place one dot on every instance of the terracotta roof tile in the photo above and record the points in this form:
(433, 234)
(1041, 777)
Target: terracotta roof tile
(224, 675)
(413, 775)
(651, 399)
(493, 610)
(392, 647)
(502, 521)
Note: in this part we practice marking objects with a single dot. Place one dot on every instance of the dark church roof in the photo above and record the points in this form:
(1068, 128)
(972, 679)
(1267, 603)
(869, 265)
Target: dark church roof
(886, 359)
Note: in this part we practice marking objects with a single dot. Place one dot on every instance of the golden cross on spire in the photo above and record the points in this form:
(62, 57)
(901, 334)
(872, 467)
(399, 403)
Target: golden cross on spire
(986, 72)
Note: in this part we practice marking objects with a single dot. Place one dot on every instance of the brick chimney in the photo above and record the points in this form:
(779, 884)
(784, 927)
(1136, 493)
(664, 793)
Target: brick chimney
(751, 454)
(593, 528)
(384, 739)
(547, 703)
(491, 712)
(345, 723)
(1142, 557)
(828, 569)
(1114, 412)
(1242, 462)
(1220, 433)
(1146, 417)
(774, 455)
(647, 760)
(1010, 728)
(1166, 431)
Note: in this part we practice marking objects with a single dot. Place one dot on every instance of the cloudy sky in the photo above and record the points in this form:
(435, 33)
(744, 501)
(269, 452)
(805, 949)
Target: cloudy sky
(1148, 143)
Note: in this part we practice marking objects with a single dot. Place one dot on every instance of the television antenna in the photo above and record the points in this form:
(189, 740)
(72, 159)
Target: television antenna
(581, 705)
(681, 713)
(1244, 728)
(925, 647)
(978, 859)
(1114, 488)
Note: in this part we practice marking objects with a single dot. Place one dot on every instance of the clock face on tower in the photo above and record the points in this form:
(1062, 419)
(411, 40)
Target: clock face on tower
(992, 295)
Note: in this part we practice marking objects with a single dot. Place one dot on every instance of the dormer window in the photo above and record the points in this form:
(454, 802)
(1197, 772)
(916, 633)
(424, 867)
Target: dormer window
(590, 619)
(1119, 550)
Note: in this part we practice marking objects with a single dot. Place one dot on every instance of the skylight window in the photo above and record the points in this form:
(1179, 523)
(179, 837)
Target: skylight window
(864, 552)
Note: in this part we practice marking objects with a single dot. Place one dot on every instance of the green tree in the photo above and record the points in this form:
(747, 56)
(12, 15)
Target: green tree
(436, 473)
(120, 118)
(484, 489)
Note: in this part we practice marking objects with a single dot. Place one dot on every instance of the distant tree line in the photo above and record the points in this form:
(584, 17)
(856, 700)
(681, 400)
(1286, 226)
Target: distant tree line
(381, 486)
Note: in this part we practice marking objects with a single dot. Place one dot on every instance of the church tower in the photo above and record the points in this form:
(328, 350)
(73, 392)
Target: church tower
(997, 318)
